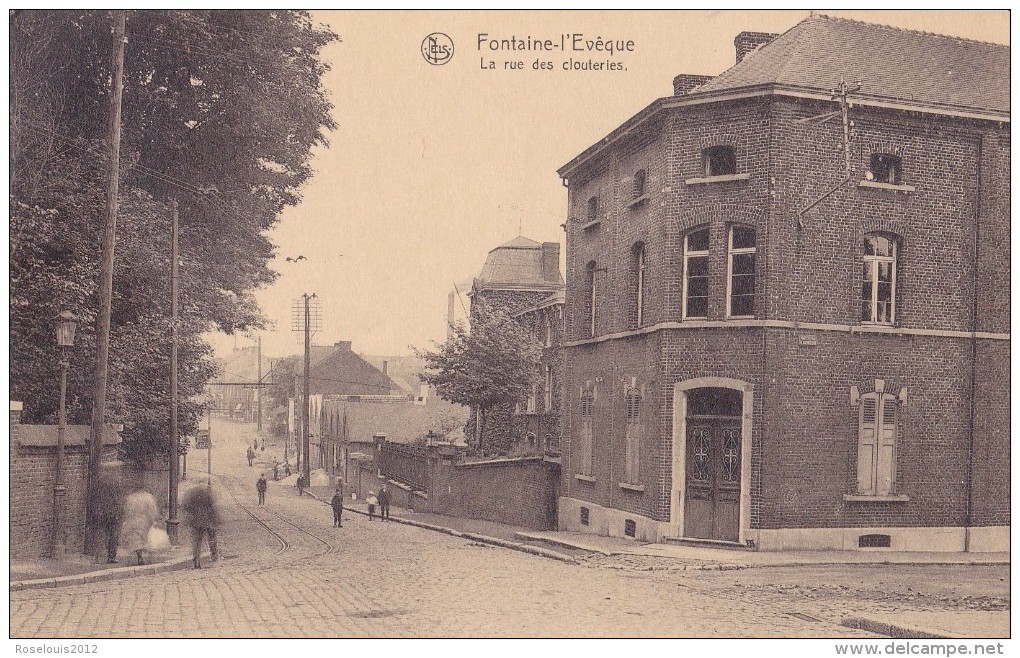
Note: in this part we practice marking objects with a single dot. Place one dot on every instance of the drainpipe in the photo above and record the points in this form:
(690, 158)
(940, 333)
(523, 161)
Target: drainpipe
(973, 349)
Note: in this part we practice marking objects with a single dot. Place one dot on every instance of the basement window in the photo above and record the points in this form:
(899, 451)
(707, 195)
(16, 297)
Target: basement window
(584, 516)
(874, 541)
(630, 528)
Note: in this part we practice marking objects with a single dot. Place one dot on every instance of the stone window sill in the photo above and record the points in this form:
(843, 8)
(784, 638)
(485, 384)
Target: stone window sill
(875, 185)
(584, 478)
(639, 488)
(638, 201)
(854, 498)
(726, 178)
(591, 224)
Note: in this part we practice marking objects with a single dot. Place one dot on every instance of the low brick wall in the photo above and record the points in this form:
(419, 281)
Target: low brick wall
(32, 474)
(520, 492)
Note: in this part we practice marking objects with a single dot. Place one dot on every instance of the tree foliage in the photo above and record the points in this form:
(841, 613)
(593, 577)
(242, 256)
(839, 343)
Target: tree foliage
(220, 112)
(491, 363)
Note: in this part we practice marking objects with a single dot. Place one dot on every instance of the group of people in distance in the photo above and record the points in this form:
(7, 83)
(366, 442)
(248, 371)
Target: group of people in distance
(337, 501)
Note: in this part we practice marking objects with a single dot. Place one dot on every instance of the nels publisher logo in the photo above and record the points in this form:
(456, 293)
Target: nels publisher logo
(437, 49)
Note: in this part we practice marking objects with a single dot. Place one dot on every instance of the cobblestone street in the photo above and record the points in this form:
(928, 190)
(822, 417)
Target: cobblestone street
(286, 572)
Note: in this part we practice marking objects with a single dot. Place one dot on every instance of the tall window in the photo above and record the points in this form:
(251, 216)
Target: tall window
(593, 209)
(878, 287)
(532, 398)
(587, 465)
(639, 284)
(548, 327)
(696, 274)
(638, 190)
(876, 445)
(632, 399)
(548, 389)
(742, 251)
(592, 301)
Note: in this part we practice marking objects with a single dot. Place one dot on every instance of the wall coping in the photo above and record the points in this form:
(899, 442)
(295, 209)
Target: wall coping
(502, 462)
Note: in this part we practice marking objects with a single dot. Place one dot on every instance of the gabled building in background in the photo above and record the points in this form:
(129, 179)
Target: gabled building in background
(782, 338)
(237, 396)
(523, 278)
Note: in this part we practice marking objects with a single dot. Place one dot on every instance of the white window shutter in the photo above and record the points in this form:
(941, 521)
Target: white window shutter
(867, 445)
(887, 446)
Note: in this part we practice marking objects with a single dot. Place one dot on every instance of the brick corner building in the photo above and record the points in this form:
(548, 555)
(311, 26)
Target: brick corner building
(787, 307)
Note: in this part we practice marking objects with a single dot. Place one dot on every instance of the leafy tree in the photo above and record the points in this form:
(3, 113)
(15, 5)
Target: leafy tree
(491, 364)
(221, 110)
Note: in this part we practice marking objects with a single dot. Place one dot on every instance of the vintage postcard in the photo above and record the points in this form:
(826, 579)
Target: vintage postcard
(691, 325)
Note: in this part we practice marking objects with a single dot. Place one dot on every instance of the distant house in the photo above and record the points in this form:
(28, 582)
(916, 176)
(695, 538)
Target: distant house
(335, 371)
(239, 371)
(523, 278)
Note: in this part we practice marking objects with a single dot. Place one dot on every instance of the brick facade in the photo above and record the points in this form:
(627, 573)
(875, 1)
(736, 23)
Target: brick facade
(806, 349)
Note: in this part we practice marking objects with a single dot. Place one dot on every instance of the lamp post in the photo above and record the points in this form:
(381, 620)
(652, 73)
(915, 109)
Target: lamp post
(66, 325)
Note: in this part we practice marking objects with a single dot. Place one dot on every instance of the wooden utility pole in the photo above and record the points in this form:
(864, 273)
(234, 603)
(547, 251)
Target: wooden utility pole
(106, 283)
(175, 444)
(304, 403)
(258, 390)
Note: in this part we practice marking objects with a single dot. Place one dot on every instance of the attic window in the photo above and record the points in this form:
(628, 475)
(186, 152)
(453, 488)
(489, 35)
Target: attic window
(720, 161)
(886, 168)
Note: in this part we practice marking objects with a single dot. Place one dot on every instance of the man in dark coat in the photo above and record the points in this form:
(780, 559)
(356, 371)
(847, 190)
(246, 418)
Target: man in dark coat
(200, 509)
(337, 503)
(260, 486)
(108, 510)
(384, 503)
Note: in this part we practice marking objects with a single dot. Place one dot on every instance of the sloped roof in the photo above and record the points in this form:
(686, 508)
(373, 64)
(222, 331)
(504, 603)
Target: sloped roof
(518, 263)
(900, 65)
(897, 68)
(345, 373)
(75, 435)
(401, 423)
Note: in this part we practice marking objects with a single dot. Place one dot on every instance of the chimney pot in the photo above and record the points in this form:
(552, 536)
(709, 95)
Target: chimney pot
(747, 42)
(685, 83)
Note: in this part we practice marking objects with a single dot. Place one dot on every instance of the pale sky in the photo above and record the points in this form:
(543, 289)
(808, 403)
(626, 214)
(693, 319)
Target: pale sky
(433, 166)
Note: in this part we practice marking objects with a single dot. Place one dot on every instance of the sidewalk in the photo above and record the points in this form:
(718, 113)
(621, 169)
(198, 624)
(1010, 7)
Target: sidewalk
(77, 569)
(935, 625)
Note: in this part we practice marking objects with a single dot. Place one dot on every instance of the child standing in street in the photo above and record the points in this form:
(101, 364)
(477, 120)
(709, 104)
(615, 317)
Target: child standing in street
(372, 502)
(337, 503)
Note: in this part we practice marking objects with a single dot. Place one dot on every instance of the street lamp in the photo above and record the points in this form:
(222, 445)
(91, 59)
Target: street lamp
(66, 325)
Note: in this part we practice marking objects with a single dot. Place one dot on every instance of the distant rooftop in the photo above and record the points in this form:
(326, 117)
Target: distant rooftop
(522, 263)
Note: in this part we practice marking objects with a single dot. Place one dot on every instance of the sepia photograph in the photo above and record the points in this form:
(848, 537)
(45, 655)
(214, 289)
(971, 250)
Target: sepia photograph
(687, 325)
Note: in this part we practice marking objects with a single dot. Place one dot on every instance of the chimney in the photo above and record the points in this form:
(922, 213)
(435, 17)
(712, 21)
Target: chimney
(747, 42)
(385, 367)
(685, 83)
(343, 344)
(551, 262)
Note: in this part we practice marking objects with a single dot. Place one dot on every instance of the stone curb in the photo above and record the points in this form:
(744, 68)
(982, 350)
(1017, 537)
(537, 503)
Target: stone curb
(894, 630)
(102, 575)
(566, 544)
(484, 539)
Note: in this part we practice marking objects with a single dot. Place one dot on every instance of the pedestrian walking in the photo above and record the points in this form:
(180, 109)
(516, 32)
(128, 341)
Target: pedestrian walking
(286, 469)
(251, 457)
(106, 516)
(276, 470)
(301, 485)
(260, 486)
(140, 513)
(384, 504)
(372, 502)
(203, 516)
(337, 503)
